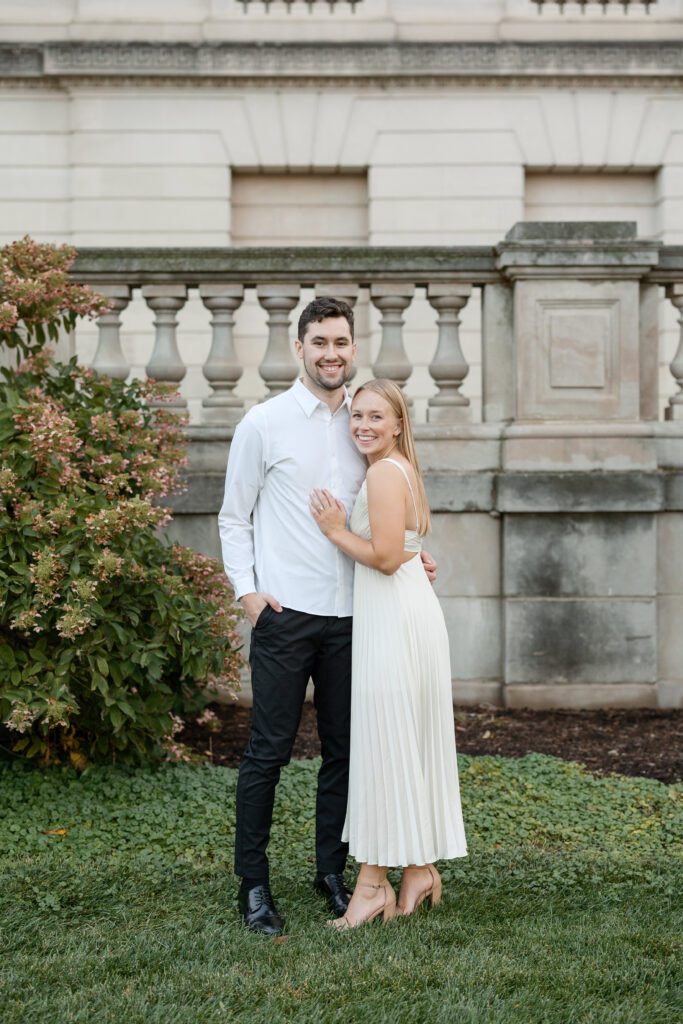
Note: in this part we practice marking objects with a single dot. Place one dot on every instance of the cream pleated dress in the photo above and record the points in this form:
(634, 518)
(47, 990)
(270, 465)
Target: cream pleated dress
(404, 796)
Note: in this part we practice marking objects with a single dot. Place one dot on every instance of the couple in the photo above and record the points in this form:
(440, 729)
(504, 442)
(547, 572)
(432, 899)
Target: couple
(298, 465)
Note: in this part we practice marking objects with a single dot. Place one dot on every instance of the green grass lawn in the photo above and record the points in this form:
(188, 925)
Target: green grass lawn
(567, 910)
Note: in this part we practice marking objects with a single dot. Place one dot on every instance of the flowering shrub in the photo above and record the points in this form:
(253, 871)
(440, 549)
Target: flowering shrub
(37, 297)
(109, 636)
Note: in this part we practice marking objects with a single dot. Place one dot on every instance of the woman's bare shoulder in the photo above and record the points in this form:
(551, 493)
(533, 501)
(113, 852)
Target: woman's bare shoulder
(383, 470)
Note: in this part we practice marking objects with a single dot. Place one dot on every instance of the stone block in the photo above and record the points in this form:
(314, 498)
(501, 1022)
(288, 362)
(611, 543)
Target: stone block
(466, 546)
(498, 375)
(670, 553)
(541, 451)
(43, 217)
(580, 555)
(446, 181)
(440, 146)
(34, 183)
(148, 148)
(670, 445)
(580, 641)
(474, 630)
(456, 449)
(673, 491)
(577, 345)
(199, 532)
(669, 694)
(597, 695)
(649, 351)
(670, 636)
(154, 214)
(580, 492)
(572, 230)
(423, 215)
(460, 492)
(476, 691)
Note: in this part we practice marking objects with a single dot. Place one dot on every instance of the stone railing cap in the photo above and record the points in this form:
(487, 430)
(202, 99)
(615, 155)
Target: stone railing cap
(573, 231)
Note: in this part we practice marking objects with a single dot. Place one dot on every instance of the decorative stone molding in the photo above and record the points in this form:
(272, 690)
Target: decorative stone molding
(626, 4)
(577, 319)
(309, 3)
(334, 61)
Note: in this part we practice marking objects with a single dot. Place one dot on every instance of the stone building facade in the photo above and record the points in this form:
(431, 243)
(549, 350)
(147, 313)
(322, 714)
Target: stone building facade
(537, 361)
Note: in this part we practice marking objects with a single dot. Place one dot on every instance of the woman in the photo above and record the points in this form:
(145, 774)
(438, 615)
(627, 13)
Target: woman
(404, 801)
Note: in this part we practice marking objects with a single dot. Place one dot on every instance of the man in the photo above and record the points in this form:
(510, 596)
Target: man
(297, 591)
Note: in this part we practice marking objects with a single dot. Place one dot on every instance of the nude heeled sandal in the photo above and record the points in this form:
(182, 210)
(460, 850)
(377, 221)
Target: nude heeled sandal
(387, 910)
(433, 894)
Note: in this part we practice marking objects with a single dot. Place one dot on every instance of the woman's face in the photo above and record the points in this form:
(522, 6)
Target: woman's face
(374, 425)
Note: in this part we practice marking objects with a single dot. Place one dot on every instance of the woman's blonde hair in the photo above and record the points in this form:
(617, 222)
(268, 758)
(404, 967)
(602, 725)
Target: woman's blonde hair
(404, 442)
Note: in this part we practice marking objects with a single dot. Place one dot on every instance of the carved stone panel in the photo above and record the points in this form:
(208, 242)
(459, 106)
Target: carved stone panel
(577, 350)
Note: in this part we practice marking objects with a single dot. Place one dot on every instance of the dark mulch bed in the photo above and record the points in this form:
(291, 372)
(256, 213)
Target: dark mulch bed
(635, 742)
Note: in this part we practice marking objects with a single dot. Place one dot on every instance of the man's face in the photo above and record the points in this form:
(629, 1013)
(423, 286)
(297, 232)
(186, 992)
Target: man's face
(327, 353)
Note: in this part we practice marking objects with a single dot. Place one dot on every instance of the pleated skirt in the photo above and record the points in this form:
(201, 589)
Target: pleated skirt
(404, 796)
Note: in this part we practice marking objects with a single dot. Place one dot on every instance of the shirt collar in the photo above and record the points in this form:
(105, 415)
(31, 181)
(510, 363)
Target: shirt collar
(308, 401)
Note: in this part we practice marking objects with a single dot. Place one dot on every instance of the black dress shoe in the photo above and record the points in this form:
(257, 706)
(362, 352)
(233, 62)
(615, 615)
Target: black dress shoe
(336, 892)
(258, 910)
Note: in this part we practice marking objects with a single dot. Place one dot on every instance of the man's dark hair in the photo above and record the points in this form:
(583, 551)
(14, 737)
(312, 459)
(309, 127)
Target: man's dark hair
(324, 308)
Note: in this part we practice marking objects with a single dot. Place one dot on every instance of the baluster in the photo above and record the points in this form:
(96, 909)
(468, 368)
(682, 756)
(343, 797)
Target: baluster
(165, 364)
(109, 358)
(674, 410)
(278, 368)
(343, 290)
(392, 361)
(449, 368)
(222, 369)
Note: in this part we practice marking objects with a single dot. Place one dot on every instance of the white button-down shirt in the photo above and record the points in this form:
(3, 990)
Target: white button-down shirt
(281, 450)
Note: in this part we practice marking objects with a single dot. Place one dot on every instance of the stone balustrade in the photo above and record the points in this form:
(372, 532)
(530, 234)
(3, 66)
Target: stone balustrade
(557, 519)
(528, 275)
(390, 276)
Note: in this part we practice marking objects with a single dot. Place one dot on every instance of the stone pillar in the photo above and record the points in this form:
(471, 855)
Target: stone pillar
(278, 368)
(109, 358)
(449, 367)
(392, 361)
(497, 353)
(674, 410)
(222, 370)
(579, 486)
(166, 364)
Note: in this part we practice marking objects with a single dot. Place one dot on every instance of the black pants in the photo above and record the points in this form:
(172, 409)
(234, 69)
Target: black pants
(288, 648)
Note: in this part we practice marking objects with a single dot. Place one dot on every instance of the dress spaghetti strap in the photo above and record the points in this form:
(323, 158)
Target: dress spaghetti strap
(395, 462)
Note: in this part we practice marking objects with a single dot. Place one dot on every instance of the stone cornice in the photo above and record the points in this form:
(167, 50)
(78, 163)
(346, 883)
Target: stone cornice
(422, 264)
(654, 61)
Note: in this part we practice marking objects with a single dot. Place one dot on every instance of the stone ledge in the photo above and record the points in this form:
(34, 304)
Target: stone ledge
(447, 492)
(390, 60)
(498, 493)
(581, 492)
(304, 265)
(592, 695)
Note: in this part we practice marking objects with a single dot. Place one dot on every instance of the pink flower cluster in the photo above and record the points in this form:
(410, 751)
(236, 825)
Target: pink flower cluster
(52, 436)
(209, 719)
(74, 621)
(47, 573)
(9, 314)
(35, 287)
(21, 717)
(127, 516)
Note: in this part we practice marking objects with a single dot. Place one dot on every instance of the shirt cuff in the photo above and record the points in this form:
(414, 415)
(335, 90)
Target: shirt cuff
(243, 584)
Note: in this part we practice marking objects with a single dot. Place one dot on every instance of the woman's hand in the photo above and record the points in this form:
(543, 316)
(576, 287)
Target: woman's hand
(328, 512)
(429, 566)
